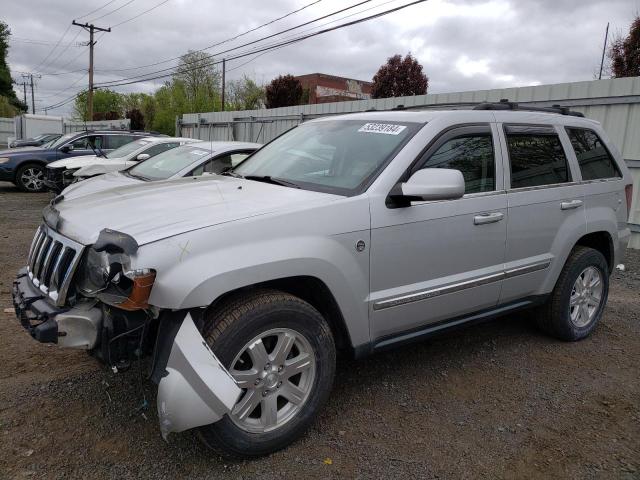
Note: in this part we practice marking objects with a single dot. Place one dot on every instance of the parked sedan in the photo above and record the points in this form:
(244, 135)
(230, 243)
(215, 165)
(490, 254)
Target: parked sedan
(60, 174)
(194, 159)
(36, 141)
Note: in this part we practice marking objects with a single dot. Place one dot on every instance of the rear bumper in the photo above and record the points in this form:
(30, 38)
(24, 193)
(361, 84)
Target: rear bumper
(76, 327)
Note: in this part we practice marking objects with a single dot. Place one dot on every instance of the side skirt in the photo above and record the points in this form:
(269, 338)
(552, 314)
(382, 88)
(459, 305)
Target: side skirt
(422, 333)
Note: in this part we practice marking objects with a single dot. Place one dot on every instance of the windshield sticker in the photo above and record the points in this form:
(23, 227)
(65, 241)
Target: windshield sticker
(384, 128)
(199, 152)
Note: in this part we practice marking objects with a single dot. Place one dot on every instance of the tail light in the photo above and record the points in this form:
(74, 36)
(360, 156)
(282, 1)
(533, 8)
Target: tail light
(628, 190)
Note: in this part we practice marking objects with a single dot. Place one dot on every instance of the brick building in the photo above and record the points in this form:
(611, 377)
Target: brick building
(325, 88)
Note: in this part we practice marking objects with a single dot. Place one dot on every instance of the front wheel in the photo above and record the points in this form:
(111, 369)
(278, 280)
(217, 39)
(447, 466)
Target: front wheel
(280, 351)
(30, 178)
(579, 297)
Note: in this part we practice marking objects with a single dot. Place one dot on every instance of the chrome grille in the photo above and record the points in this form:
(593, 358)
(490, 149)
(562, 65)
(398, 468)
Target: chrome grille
(52, 261)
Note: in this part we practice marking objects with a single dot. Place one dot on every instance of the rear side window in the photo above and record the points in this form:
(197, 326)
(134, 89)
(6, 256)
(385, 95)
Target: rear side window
(594, 159)
(536, 156)
(473, 156)
(116, 141)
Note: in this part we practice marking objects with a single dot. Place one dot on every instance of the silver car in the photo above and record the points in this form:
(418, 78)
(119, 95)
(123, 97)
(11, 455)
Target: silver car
(352, 233)
(193, 159)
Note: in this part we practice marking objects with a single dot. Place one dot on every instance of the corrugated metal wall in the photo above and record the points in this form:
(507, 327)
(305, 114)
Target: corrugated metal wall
(615, 103)
(6, 130)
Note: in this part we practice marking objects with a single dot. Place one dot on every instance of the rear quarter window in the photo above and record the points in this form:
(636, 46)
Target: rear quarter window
(593, 157)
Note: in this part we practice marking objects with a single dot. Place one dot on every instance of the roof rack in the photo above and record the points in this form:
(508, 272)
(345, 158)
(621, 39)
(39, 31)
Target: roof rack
(505, 104)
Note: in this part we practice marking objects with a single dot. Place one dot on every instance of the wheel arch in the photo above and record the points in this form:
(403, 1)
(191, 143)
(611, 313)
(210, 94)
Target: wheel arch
(310, 289)
(24, 163)
(601, 241)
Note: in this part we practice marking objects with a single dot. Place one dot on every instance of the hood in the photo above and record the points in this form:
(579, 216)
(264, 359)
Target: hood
(101, 167)
(151, 211)
(98, 184)
(18, 150)
(76, 162)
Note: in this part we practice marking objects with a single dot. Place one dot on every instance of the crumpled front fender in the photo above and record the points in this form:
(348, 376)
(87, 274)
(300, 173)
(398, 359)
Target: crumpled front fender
(198, 390)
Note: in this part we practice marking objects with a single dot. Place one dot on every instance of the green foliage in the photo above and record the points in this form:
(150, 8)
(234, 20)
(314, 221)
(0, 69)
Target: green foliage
(6, 83)
(7, 109)
(244, 94)
(104, 101)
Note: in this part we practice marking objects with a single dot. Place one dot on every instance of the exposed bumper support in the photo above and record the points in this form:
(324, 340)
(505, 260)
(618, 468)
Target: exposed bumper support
(197, 389)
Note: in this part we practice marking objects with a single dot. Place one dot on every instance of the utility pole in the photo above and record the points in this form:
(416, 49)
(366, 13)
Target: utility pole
(91, 29)
(24, 85)
(223, 72)
(604, 49)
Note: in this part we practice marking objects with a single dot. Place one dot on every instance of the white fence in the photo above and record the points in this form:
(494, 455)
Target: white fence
(76, 126)
(615, 103)
(6, 131)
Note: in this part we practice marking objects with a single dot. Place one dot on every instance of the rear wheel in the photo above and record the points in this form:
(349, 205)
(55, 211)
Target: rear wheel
(280, 351)
(30, 178)
(579, 297)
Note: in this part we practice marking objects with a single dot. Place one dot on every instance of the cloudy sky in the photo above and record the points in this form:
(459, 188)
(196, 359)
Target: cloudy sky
(462, 44)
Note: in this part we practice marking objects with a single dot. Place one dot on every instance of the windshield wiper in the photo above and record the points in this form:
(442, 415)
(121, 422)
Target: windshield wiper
(135, 175)
(231, 173)
(273, 180)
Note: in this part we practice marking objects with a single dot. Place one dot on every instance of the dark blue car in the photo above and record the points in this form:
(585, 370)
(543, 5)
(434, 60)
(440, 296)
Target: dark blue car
(25, 167)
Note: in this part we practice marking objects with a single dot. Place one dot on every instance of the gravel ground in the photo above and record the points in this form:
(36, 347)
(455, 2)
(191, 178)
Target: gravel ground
(497, 400)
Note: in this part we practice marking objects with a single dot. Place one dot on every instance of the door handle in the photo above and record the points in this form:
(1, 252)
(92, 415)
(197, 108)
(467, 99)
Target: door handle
(487, 218)
(571, 204)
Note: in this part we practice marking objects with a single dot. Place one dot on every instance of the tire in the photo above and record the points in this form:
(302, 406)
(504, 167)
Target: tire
(569, 322)
(274, 316)
(30, 178)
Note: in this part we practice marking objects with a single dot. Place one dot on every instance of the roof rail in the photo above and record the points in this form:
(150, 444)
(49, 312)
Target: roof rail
(505, 104)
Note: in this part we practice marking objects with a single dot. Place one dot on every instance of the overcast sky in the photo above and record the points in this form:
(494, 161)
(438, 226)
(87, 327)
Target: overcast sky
(462, 44)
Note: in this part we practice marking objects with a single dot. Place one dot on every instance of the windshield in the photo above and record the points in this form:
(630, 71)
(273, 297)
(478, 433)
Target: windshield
(128, 149)
(339, 156)
(63, 139)
(167, 164)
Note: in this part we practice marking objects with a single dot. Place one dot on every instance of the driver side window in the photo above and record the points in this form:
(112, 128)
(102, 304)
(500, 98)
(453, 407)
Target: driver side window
(473, 155)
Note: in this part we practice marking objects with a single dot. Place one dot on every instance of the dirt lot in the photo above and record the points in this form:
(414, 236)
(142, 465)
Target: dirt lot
(498, 400)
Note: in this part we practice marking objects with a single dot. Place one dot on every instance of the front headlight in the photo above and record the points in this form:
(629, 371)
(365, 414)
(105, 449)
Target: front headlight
(108, 277)
(4, 159)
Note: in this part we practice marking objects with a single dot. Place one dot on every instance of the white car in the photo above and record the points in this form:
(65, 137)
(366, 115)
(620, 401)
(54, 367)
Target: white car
(193, 159)
(61, 172)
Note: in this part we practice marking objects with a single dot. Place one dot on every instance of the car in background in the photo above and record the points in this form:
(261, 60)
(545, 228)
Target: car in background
(191, 160)
(60, 174)
(36, 141)
(25, 167)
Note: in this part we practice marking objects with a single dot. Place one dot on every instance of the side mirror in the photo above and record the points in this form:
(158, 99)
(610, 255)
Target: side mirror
(143, 156)
(431, 184)
(66, 148)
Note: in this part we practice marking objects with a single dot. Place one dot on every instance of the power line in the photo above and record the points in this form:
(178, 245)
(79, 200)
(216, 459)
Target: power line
(140, 14)
(96, 10)
(281, 44)
(240, 46)
(63, 51)
(219, 43)
(113, 11)
(53, 49)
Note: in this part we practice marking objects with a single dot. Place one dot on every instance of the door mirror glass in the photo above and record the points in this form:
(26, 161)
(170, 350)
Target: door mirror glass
(432, 184)
(66, 148)
(143, 156)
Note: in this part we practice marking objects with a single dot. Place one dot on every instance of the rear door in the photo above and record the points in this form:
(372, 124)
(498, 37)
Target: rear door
(546, 207)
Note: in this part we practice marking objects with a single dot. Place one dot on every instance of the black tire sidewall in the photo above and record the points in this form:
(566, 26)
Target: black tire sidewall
(563, 324)
(19, 172)
(296, 316)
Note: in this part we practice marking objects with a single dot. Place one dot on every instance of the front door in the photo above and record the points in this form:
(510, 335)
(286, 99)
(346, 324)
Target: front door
(433, 261)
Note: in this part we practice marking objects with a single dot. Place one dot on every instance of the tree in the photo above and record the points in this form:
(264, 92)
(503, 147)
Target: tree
(283, 91)
(104, 102)
(244, 94)
(625, 53)
(399, 77)
(197, 75)
(12, 104)
(137, 119)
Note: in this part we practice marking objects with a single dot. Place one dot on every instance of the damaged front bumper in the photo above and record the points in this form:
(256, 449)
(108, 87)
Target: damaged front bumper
(195, 389)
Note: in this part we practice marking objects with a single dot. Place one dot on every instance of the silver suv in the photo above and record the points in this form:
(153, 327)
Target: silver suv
(350, 233)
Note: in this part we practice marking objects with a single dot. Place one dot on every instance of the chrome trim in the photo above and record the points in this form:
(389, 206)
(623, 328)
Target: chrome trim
(456, 287)
(514, 272)
(543, 187)
(436, 292)
(484, 194)
(42, 260)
